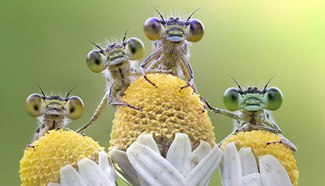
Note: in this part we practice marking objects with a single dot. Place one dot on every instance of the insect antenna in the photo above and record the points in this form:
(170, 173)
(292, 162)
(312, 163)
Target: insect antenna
(101, 50)
(268, 83)
(44, 96)
(66, 97)
(189, 17)
(124, 37)
(236, 83)
(162, 18)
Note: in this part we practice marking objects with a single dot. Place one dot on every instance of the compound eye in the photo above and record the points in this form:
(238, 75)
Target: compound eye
(95, 62)
(74, 107)
(231, 99)
(273, 98)
(135, 48)
(196, 31)
(34, 105)
(152, 28)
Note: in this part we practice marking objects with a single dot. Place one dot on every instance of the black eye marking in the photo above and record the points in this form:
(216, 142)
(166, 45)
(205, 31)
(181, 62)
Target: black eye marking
(133, 50)
(270, 96)
(36, 107)
(97, 62)
(234, 97)
(72, 109)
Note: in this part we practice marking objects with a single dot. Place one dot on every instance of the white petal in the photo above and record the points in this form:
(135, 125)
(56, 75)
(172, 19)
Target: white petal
(251, 180)
(91, 173)
(202, 173)
(197, 155)
(272, 172)
(53, 184)
(106, 166)
(248, 161)
(153, 167)
(147, 140)
(70, 177)
(232, 171)
(123, 162)
(179, 152)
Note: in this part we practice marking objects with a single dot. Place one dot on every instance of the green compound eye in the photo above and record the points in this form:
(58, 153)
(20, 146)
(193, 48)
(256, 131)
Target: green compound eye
(231, 99)
(94, 61)
(135, 48)
(273, 98)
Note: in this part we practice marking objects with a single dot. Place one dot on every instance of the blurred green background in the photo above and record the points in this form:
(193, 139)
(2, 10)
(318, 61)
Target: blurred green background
(45, 43)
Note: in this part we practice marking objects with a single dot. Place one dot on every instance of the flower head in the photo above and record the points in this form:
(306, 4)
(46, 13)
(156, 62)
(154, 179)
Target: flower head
(44, 158)
(166, 110)
(257, 140)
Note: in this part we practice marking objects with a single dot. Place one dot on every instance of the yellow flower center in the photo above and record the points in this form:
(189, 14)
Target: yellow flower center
(42, 161)
(166, 110)
(257, 140)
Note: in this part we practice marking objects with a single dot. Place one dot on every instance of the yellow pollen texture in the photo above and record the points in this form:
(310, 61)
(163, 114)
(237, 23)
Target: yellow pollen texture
(257, 140)
(166, 110)
(43, 159)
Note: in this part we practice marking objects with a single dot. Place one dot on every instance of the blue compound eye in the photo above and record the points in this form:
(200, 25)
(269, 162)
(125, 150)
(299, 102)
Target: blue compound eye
(152, 28)
(196, 31)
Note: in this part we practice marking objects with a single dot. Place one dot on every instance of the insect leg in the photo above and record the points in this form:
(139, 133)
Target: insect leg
(146, 62)
(233, 133)
(114, 101)
(96, 114)
(272, 125)
(285, 142)
(225, 113)
(187, 71)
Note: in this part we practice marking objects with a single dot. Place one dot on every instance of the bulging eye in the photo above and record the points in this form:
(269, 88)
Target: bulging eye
(135, 48)
(273, 98)
(95, 62)
(196, 31)
(152, 28)
(34, 105)
(231, 99)
(74, 107)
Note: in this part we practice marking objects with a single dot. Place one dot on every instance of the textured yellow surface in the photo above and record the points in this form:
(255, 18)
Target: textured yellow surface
(257, 140)
(166, 110)
(42, 161)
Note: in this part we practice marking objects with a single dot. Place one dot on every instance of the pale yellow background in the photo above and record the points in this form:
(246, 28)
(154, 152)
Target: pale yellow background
(45, 43)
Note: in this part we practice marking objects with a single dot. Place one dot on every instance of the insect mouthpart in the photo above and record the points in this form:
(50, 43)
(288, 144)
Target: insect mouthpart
(252, 104)
(117, 59)
(54, 109)
(175, 35)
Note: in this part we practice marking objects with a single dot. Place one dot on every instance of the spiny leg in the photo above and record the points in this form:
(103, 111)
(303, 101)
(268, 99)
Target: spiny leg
(187, 71)
(225, 113)
(115, 101)
(96, 114)
(119, 104)
(146, 62)
(271, 124)
(285, 142)
(206, 104)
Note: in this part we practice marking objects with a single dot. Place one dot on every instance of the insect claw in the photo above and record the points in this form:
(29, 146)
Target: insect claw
(185, 86)
(274, 142)
(146, 78)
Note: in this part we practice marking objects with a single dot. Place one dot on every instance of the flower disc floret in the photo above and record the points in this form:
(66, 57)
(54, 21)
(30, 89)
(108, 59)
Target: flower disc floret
(257, 140)
(43, 159)
(166, 110)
